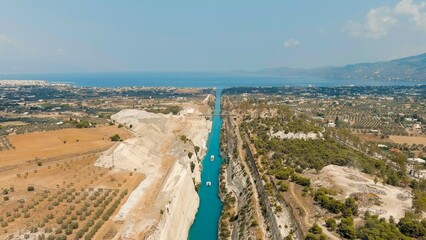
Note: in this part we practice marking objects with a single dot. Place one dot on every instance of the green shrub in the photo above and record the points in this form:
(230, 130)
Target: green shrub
(346, 228)
(115, 138)
(331, 224)
(315, 229)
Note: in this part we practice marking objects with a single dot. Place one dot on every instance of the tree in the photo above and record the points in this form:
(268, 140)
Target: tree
(310, 236)
(351, 205)
(392, 178)
(401, 160)
(331, 224)
(419, 201)
(375, 228)
(183, 138)
(82, 124)
(392, 220)
(115, 138)
(410, 226)
(192, 164)
(190, 155)
(315, 229)
(196, 149)
(346, 228)
(306, 182)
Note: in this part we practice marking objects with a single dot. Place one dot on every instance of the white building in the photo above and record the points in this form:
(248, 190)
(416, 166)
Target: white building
(331, 124)
(415, 160)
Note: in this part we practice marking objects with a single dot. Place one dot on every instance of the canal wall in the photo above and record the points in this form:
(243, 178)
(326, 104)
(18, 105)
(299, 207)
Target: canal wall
(287, 215)
(263, 197)
(178, 214)
(241, 216)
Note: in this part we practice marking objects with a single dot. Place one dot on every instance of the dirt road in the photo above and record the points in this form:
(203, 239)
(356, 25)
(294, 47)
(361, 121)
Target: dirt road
(306, 218)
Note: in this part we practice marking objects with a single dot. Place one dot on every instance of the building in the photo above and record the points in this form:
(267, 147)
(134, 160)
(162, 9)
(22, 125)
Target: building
(415, 160)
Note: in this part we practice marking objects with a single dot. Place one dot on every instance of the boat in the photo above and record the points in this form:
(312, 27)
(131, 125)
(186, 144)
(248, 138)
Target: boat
(208, 184)
(212, 158)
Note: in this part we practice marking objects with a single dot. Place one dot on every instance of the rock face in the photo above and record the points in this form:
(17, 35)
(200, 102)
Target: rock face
(164, 204)
(299, 135)
(236, 183)
(179, 213)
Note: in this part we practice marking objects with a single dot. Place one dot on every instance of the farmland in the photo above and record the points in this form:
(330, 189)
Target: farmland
(408, 140)
(52, 190)
(392, 110)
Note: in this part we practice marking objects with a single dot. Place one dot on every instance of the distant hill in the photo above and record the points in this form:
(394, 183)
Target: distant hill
(405, 69)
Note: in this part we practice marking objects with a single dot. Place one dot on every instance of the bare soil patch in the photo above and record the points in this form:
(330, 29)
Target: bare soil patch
(13, 123)
(408, 140)
(188, 90)
(383, 200)
(51, 144)
(393, 138)
(372, 137)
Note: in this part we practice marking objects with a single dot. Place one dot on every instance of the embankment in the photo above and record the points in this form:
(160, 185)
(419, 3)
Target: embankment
(252, 214)
(242, 215)
(163, 148)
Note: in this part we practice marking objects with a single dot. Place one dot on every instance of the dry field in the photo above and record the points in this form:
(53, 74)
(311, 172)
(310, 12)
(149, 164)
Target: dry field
(393, 138)
(54, 144)
(188, 90)
(371, 137)
(13, 123)
(72, 198)
(408, 140)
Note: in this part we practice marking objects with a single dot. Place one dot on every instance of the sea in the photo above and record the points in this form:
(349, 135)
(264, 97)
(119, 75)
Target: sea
(193, 79)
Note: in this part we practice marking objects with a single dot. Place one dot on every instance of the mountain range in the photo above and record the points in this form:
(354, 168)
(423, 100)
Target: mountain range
(404, 69)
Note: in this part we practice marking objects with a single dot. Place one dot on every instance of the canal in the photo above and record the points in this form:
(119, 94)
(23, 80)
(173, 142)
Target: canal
(205, 226)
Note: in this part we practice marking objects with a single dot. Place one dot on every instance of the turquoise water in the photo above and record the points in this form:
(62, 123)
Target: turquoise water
(205, 226)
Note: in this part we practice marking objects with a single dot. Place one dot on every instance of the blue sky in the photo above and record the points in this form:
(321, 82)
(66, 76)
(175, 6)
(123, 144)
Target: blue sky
(80, 36)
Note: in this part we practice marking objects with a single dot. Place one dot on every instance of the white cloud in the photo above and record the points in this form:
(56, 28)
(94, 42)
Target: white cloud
(291, 43)
(377, 24)
(414, 11)
(379, 21)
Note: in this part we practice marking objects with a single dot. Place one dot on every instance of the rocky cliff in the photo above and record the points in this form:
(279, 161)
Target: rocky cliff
(164, 204)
